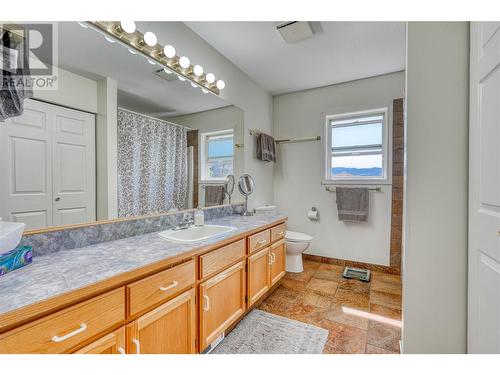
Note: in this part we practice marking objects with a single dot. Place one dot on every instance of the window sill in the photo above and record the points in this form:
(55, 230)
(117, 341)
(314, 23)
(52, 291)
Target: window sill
(356, 183)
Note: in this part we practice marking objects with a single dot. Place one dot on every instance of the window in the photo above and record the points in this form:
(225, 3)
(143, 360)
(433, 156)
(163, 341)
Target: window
(356, 147)
(217, 155)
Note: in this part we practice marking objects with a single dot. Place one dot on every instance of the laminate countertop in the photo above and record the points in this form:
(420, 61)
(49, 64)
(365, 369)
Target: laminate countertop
(69, 270)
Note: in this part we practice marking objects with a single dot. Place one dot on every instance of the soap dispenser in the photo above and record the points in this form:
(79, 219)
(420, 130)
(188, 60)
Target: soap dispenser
(199, 217)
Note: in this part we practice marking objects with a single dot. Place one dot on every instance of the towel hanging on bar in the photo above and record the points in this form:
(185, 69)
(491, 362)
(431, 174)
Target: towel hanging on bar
(265, 148)
(353, 204)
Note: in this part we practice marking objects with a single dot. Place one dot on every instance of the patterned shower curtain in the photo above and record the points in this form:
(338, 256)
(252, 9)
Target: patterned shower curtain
(152, 165)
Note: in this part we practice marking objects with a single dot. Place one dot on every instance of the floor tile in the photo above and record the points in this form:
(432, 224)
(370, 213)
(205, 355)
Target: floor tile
(383, 336)
(344, 339)
(385, 312)
(293, 284)
(370, 349)
(303, 276)
(329, 272)
(385, 299)
(340, 314)
(386, 286)
(312, 298)
(354, 285)
(311, 265)
(285, 294)
(275, 306)
(351, 299)
(386, 277)
(306, 313)
(321, 286)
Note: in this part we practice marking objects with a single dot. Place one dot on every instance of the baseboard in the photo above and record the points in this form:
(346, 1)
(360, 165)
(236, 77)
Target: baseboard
(350, 263)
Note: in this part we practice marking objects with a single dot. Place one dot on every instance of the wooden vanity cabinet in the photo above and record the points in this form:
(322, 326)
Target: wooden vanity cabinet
(258, 275)
(278, 261)
(112, 343)
(222, 302)
(169, 329)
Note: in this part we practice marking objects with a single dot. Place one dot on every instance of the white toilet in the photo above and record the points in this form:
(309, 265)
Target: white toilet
(296, 244)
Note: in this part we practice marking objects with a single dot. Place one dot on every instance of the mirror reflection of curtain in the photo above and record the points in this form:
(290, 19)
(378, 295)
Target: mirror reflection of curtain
(152, 165)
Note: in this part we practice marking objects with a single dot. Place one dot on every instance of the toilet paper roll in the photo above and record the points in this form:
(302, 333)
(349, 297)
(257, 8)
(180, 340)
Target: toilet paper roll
(313, 215)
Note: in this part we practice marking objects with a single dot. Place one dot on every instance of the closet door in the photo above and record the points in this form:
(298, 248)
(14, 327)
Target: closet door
(73, 166)
(26, 167)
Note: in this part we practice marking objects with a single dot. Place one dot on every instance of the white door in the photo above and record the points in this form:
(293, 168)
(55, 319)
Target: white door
(47, 161)
(484, 189)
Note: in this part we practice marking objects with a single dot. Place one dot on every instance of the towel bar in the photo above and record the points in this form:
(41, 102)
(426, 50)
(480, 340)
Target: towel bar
(332, 190)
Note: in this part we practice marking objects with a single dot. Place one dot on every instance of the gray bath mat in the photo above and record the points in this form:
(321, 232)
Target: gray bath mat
(264, 333)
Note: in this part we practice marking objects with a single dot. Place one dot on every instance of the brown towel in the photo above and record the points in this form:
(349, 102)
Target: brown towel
(266, 150)
(353, 204)
(214, 195)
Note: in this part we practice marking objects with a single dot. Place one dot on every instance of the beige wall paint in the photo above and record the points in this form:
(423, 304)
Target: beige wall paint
(435, 220)
(299, 170)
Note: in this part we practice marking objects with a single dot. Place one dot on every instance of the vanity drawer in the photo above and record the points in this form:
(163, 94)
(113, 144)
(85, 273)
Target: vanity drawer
(216, 260)
(63, 330)
(278, 232)
(259, 241)
(160, 286)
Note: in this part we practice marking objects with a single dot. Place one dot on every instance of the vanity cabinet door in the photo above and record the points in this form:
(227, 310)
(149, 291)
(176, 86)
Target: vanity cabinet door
(168, 329)
(278, 261)
(222, 302)
(259, 266)
(112, 343)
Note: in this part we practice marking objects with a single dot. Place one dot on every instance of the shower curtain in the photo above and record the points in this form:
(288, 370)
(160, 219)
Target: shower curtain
(152, 165)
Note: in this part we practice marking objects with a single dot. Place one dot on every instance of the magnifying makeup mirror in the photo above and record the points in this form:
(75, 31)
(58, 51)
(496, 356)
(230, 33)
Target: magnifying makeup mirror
(229, 186)
(246, 186)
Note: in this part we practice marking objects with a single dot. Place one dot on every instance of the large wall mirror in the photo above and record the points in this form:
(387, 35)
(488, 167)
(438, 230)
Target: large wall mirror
(120, 137)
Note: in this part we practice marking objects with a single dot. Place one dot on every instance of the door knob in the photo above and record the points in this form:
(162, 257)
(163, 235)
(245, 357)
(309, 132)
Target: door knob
(57, 199)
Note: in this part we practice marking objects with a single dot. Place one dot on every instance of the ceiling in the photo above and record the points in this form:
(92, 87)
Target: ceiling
(337, 52)
(81, 52)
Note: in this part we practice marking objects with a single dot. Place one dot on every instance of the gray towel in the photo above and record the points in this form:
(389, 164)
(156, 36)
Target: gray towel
(266, 150)
(214, 195)
(353, 204)
(13, 90)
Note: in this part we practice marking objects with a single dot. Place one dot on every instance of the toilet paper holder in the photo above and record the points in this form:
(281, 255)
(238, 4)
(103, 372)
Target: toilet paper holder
(313, 213)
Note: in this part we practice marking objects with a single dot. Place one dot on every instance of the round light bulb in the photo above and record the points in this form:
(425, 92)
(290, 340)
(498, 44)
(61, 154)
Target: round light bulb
(198, 70)
(128, 26)
(150, 39)
(181, 78)
(210, 78)
(109, 39)
(221, 84)
(169, 51)
(184, 62)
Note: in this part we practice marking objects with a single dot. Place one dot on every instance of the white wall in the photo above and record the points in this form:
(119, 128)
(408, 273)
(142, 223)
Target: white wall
(299, 169)
(435, 222)
(225, 118)
(240, 90)
(73, 91)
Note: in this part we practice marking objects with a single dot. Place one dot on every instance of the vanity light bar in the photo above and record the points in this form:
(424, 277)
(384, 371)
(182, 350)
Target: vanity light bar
(148, 46)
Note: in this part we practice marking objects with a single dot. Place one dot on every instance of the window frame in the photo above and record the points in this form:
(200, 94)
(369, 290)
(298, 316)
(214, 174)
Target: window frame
(386, 177)
(204, 139)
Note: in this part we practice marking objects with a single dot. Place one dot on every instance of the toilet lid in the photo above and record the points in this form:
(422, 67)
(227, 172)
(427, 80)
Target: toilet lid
(297, 237)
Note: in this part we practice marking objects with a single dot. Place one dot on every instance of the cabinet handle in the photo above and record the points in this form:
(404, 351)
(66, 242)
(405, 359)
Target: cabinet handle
(207, 303)
(270, 259)
(165, 288)
(137, 346)
(281, 233)
(262, 241)
(121, 350)
(82, 328)
(273, 258)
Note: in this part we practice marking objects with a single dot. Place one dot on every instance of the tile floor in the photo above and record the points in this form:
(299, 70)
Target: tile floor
(361, 317)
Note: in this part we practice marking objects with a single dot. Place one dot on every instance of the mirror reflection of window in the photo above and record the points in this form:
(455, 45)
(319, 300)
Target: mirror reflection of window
(217, 159)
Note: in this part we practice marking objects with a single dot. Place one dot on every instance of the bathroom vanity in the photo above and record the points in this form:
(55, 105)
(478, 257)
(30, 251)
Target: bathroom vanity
(180, 300)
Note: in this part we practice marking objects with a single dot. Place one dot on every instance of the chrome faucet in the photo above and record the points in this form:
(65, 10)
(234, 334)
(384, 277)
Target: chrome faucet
(186, 222)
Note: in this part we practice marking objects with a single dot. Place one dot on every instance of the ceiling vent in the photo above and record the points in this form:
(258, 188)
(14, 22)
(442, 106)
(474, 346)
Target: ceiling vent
(295, 31)
(166, 76)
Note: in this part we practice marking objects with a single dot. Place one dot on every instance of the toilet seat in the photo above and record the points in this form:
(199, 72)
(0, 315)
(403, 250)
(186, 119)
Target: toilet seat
(297, 237)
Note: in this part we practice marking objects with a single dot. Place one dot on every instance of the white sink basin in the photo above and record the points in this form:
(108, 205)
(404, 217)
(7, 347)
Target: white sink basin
(194, 234)
(10, 235)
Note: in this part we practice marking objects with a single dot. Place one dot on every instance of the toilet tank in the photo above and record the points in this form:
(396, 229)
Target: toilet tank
(268, 209)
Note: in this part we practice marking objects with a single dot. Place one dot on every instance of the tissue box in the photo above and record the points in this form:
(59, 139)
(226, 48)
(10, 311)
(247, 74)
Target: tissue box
(14, 259)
